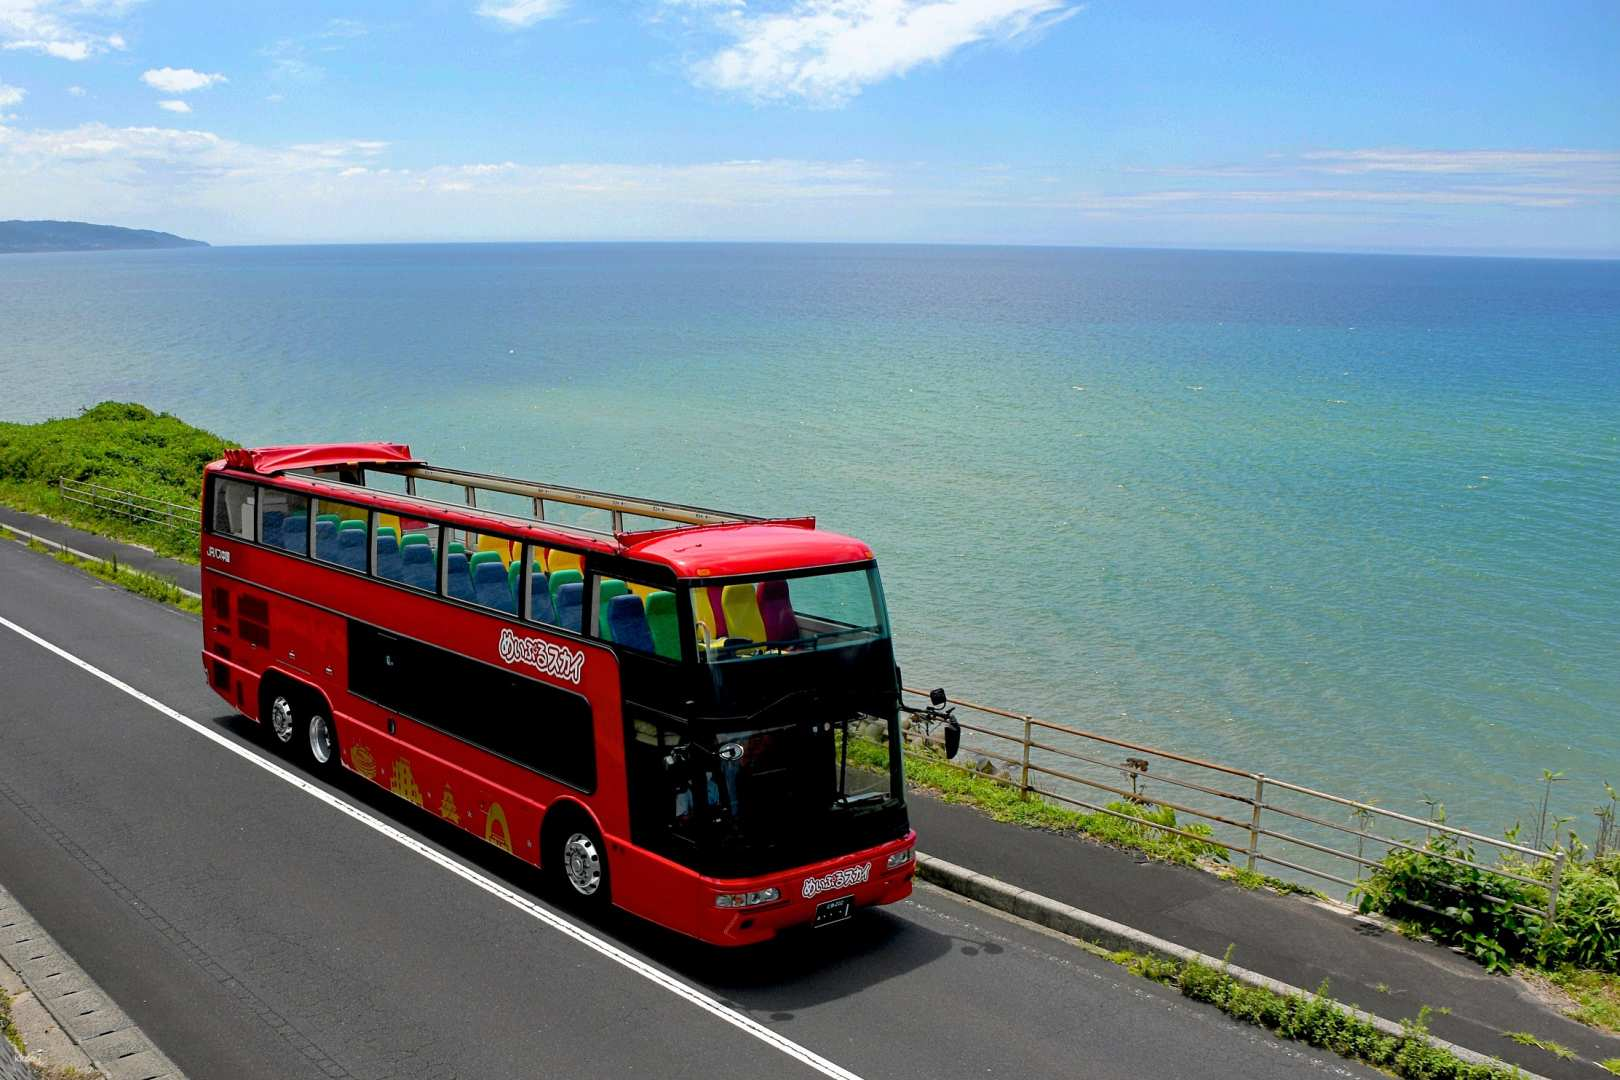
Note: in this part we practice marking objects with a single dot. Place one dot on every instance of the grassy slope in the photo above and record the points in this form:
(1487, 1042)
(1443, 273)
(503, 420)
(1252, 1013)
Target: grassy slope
(120, 445)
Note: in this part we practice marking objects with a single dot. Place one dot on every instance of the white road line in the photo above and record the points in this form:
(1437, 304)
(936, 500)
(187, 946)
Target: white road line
(494, 888)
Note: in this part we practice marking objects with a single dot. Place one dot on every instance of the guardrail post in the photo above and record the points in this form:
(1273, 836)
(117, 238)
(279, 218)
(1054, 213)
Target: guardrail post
(1552, 887)
(1023, 776)
(1254, 817)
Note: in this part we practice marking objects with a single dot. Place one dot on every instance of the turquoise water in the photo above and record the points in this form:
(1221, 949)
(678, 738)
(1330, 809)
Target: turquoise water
(1349, 520)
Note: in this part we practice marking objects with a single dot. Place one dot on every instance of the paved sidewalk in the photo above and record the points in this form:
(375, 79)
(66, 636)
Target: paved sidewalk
(185, 575)
(1289, 938)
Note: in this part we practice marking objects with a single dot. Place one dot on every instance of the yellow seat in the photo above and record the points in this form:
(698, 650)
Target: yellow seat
(557, 559)
(499, 545)
(389, 521)
(642, 591)
(703, 614)
(741, 609)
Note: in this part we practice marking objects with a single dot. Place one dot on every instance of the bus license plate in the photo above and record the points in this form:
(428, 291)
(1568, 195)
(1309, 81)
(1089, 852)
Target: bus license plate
(835, 911)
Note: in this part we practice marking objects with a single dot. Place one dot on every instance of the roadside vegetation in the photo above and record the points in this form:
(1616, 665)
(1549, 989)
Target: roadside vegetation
(1316, 1019)
(153, 588)
(928, 770)
(1474, 910)
(7, 1028)
(118, 444)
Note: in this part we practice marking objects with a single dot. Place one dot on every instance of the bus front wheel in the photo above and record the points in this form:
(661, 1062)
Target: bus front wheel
(578, 862)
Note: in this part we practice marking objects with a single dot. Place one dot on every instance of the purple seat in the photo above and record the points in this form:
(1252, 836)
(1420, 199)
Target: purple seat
(776, 611)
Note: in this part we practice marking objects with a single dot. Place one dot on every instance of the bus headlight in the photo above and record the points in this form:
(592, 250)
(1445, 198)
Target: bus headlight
(899, 858)
(752, 899)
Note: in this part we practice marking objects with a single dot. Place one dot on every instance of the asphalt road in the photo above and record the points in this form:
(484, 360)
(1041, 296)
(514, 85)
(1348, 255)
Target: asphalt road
(255, 930)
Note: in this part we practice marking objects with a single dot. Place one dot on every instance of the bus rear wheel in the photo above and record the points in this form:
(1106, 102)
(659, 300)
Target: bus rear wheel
(281, 722)
(322, 742)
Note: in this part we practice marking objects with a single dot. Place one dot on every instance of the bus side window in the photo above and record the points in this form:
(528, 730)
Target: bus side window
(340, 533)
(233, 508)
(637, 616)
(284, 520)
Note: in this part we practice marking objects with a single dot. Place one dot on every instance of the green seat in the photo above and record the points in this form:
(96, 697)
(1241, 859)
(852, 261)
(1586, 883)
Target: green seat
(609, 588)
(662, 622)
(351, 523)
(561, 578)
(388, 530)
(512, 572)
(414, 538)
(481, 557)
(457, 548)
(333, 518)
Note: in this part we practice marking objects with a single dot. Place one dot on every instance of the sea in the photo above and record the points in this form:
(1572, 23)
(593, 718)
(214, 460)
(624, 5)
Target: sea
(1349, 520)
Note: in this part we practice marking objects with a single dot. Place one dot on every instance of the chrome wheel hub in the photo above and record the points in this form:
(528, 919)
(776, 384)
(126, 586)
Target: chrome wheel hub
(281, 720)
(320, 738)
(583, 864)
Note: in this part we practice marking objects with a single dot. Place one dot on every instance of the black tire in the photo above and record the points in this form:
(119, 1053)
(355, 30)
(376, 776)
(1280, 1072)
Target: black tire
(576, 863)
(282, 717)
(320, 741)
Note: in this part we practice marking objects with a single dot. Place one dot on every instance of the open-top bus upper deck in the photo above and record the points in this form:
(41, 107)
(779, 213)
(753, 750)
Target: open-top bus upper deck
(691, 541)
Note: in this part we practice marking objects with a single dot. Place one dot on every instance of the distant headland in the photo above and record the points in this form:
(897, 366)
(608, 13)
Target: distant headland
(18, 237)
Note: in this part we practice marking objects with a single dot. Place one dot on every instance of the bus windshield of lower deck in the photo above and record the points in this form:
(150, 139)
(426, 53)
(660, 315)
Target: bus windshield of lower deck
(749, 620)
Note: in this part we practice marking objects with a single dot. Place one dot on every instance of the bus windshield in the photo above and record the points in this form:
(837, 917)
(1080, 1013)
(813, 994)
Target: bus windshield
(744, 621)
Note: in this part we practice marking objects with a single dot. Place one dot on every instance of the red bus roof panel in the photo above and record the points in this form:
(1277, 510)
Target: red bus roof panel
(267, 460)
(764, 547)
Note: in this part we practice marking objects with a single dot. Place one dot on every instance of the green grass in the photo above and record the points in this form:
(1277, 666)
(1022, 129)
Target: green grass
(121, 445)
(153, 588)
(1610, 1065)
(1003, 803)
(1316, 1019)
(1556, 1049)
(7, 1028)
(1595, 994)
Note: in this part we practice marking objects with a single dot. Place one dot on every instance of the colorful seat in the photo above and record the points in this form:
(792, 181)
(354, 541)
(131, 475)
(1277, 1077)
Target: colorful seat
(326, 540)
(540, 609)
(499, 545)
(270, 527)
(389, 564)
(412, 538)
(776, 611)
(628, 622)
(742, 613)
(351, 548)
(559, 578)
(333, 518)
(351, 523)
(457, 548)
(605, 594)
(457, 578)
(663, 624)
(417, 562)
(557, 559)
(387, 530)
(295, 533)
(489, 585)
(478, 558)
(707, 611)
(570, 602)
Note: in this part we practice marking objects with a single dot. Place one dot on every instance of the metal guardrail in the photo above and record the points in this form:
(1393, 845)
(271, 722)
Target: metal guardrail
(1242, 808)
(132, 505)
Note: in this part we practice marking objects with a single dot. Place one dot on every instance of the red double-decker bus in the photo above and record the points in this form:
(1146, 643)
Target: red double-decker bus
(653, 703)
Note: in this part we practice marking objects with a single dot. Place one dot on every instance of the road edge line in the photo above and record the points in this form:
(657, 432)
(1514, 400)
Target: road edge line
(1105, 932)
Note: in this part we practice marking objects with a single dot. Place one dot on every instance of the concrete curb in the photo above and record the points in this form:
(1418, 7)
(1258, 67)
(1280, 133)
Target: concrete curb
(1108, 934)
(76, 553)
(95, 1023)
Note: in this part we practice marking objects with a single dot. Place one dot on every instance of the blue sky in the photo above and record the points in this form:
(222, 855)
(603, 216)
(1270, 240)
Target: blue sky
(1455, 128)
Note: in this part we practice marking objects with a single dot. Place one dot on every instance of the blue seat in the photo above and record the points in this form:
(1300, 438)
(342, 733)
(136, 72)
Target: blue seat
(490, 588)
(295, 533)
(570, 602)
(457, 581)
(351, 548)
(389, 564)
(628, 621)
(270, 528)
(540, 598)
(417, 562)
(326, 543)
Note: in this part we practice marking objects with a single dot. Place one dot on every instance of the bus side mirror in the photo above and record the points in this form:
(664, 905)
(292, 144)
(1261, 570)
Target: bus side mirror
(953, 737)
(936, 696)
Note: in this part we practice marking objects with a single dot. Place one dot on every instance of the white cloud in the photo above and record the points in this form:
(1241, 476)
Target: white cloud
(11, 95)
(174, 106)
(1351, 162)
(180, 80)
(65, 29)
(519, 14)
(77, 91)
(826, 51)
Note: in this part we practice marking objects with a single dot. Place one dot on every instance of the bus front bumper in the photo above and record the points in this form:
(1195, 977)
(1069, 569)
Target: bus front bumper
(741, 911)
